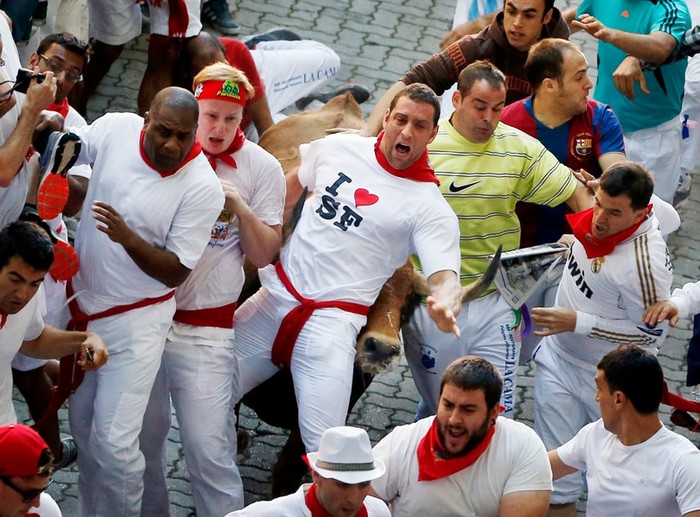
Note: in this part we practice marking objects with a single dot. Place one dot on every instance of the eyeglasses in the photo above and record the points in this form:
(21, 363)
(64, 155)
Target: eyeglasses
(57, 67)
(27, 495)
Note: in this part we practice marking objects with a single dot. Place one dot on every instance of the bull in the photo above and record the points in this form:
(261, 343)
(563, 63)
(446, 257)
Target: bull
(378, 343)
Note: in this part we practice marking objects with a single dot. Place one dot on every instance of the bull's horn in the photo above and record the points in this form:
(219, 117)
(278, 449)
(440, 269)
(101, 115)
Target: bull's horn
(476, 289)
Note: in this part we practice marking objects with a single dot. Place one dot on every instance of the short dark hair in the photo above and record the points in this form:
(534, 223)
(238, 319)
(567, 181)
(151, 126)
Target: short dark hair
(477, 71)
(631, 179)
(67, 41)
(545, 60)
(636, 373)
(421, 94)
(28, 241)
(548, 5)
(475, 373)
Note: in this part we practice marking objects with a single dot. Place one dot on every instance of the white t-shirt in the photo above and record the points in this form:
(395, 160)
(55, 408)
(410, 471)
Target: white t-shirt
(294, 505)
(514, 461)
(173, 213)
(218, 278)
(361, 223)
(687, 299)
(610, 294)
(26, 325)
(659, 477)
(47, 507)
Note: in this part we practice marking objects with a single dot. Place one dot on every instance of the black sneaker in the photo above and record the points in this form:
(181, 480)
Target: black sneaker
(69, 455)
(217, 14)
(40, 12)
(359, 93)
(275, 34)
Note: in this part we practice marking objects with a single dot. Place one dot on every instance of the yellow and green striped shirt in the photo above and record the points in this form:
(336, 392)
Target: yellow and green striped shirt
(483, 182)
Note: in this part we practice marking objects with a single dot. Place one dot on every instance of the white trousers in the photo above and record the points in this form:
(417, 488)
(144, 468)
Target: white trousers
(291, 70)
(488, 330)
(659, 150)
(199, 379)
(322, 359)
(106, 412)
(564, 403)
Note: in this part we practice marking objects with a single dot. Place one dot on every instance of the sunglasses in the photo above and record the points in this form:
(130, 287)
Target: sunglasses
(27, 495)
(57, 67)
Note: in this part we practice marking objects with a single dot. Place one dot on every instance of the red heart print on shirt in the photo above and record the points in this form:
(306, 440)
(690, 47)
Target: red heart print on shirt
(364, 198)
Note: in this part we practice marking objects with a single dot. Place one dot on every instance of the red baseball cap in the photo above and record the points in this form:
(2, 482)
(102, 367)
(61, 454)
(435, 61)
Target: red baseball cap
(21, 450)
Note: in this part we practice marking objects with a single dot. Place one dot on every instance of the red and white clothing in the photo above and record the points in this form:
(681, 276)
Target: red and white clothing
(197, 370)
(660, 476)
(358, 226)
(284, 70)
(12, 198)
(294, 505)
(55, 290)
(116, 22)
(26, 325)
(514, 461)
(609, 295)
(174, 213)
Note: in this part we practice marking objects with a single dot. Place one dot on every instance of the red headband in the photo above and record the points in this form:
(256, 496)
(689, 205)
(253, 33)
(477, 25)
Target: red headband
(221, 90)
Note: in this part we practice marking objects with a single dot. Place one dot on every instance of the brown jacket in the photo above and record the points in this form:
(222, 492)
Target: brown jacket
(441, 70)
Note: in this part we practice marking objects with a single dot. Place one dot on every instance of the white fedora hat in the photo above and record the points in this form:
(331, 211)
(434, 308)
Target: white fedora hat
(345, 454)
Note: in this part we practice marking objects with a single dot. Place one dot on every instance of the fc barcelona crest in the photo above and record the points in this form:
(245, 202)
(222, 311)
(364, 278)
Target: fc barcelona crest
(582, 145)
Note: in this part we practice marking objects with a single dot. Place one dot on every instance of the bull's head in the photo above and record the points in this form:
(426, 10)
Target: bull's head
(378, 344)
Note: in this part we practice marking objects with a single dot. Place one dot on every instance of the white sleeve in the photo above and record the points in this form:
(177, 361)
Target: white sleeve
(92, 137)
(687, 482)
(36, 324)
(531, 469)
(190, 230)
(386, 486)
(307, 167)
(669, 220)
(573, 452)
(436, 240)
(268, 199)
(687, 299)
(642, 284)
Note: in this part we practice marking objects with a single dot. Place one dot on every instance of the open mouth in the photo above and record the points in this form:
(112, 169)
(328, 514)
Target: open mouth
(403, 149)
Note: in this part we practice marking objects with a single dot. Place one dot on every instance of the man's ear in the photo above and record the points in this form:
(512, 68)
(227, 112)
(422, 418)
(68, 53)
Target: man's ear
(33, 61)
(146, 118)
(547, 17)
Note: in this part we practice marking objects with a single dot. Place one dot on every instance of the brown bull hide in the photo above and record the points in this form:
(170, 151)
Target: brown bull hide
(378, 344)
(284, 138)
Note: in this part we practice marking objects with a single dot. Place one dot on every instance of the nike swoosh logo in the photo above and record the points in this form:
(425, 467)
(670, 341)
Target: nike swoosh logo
(454, 188)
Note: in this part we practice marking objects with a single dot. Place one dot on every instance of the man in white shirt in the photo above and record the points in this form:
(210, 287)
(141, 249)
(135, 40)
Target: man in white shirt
(654, 470)
(341, 470)
(466, 460)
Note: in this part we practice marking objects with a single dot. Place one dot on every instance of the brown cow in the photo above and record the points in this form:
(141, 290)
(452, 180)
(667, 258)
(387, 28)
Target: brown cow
(378, 343)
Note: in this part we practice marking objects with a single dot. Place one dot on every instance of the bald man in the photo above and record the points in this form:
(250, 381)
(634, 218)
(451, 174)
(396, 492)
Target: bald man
(154, 197)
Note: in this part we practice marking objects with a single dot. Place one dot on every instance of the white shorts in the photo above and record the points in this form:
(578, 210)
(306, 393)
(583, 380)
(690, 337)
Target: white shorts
(659, 150)
(488, 327)
(691, 107)
(564, 403)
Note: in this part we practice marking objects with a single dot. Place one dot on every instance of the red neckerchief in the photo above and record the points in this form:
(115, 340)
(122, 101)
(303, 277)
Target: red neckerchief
(226, 157)
(581, 225)
(60, 107)
(196, 149)
(3, 319)
(420, 170)
(319, 511)
(431, 462)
